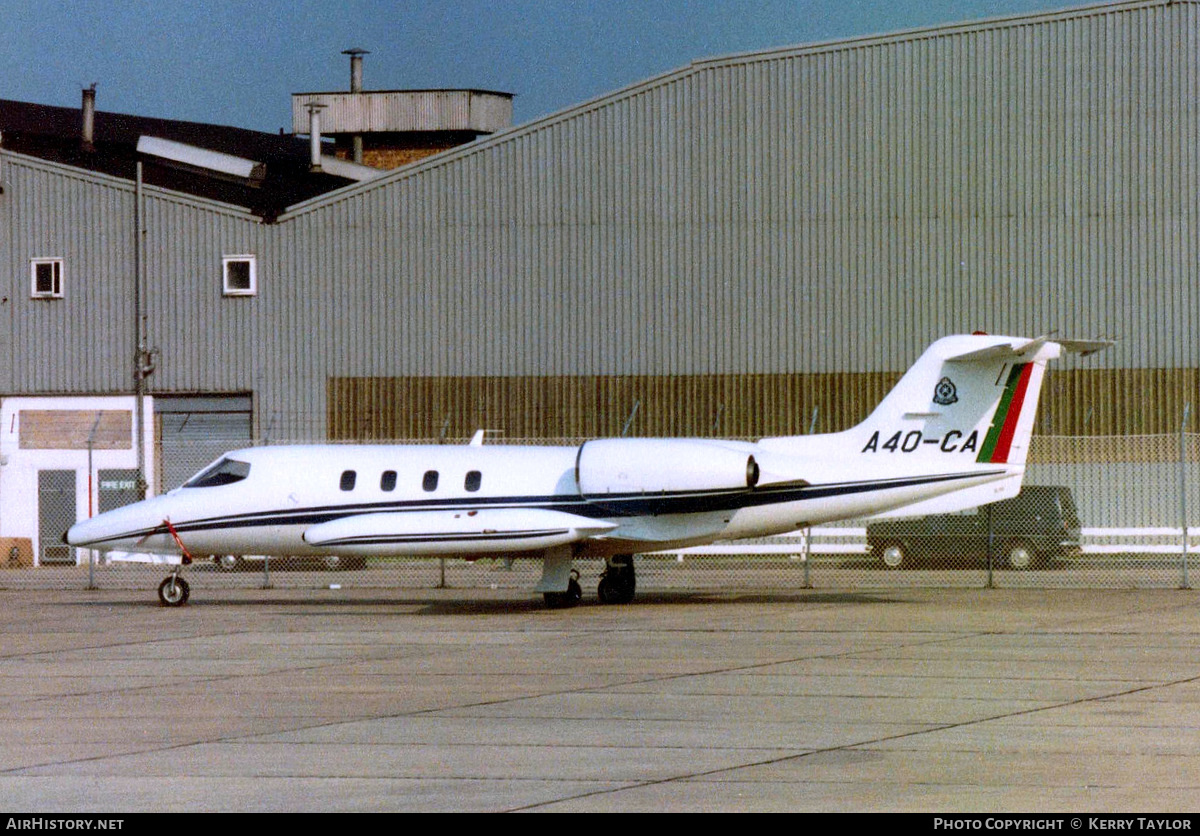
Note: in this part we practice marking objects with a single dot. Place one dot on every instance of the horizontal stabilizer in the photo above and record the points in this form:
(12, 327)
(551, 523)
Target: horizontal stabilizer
(1025, 350)
(486, 531)
(1084, 347)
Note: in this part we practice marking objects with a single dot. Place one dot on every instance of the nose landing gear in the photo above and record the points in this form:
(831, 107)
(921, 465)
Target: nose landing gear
(174, 590)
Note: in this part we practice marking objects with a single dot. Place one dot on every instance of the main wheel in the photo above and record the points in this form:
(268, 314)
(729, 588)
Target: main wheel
(173, 592)
(614, 591)
(618, 584)
(564, 600)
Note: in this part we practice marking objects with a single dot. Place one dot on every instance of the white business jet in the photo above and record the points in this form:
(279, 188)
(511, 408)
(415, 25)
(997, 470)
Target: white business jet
(952, 434)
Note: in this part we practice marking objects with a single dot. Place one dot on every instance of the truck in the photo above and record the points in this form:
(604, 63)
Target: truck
(1029, 531)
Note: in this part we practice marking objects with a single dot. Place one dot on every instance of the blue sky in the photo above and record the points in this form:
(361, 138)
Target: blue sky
(236, 62)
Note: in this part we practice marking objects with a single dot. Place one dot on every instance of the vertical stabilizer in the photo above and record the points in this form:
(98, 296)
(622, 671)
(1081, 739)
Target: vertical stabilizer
(968, 403)
(967, 400)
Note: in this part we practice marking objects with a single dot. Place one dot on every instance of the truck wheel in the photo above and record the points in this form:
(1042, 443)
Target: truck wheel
(892, 555)
(1020, 555)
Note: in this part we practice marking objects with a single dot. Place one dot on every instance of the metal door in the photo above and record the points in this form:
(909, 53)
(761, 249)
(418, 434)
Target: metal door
(56, 513)
(118, 487)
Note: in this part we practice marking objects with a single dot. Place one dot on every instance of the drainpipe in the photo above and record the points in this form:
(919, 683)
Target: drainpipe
(139, 336)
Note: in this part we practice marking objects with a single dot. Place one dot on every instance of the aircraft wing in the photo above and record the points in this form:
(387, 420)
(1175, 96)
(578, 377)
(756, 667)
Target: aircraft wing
(484, 531)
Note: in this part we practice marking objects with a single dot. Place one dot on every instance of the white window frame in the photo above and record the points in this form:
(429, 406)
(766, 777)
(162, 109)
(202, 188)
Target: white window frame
(226, 283)
(56, 291)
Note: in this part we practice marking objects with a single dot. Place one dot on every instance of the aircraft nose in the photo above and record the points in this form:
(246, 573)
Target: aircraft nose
(83, 533)
(120, 528)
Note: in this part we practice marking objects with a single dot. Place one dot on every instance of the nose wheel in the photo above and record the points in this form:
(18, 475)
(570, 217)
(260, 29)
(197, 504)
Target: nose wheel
(173, 591)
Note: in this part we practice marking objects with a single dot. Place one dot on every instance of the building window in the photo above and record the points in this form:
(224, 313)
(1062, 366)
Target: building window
(240, 275)
(46, 275)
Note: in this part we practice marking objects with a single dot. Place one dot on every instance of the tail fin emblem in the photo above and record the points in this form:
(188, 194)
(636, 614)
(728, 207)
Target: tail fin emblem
(945, 393)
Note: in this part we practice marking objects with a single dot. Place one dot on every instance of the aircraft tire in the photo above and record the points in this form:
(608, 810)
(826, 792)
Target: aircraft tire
(613, 591)
(564, 600)
(173, 592)
(618, 584)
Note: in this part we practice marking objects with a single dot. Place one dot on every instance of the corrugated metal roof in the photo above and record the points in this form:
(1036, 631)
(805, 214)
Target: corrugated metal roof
(53, 133)
(699, 66)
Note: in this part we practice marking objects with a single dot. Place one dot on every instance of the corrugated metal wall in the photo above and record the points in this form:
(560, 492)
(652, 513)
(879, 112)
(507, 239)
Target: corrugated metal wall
(599, 405)
(815, 210)
(208, 342)
(793, 213)
(82, 342)
(1097, 402)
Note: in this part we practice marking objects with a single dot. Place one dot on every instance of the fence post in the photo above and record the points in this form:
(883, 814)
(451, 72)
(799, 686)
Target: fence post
(807, 556)
(1183, 517)
(991, 549)
(91, 480)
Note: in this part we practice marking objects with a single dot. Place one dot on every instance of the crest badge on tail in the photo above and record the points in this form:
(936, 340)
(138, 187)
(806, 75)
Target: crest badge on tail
(945, 393)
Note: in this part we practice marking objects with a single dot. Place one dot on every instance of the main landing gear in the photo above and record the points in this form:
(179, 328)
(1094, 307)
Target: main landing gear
(618, 583)
(568, 599)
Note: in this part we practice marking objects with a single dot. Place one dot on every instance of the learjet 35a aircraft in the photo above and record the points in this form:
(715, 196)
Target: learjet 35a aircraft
(951, 435)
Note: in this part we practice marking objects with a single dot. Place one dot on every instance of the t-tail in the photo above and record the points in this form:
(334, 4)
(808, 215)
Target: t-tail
(963, 415)
(968, 399)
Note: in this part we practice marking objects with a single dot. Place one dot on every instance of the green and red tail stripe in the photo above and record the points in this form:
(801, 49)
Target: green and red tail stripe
(996, 446)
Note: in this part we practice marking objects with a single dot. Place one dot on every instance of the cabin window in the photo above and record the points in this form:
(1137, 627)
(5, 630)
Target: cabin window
(224, 472)
(387, 482)
(240, 275)
(349, 477)
(430, 481)
(46, 277)
(473, 480)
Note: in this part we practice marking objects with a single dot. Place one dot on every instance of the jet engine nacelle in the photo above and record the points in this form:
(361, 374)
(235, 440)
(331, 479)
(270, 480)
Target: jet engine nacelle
(611, 467)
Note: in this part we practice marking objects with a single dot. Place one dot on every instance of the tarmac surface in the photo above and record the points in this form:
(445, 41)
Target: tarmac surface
(942, 701)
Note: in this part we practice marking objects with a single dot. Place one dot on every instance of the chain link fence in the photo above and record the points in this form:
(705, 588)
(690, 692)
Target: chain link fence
(1095, 512)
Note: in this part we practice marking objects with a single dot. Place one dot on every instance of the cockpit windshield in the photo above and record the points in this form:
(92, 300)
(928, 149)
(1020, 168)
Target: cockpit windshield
(224, 472)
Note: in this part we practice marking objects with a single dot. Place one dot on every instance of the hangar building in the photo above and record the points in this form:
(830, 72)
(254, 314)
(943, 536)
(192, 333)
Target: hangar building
(748, 245)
